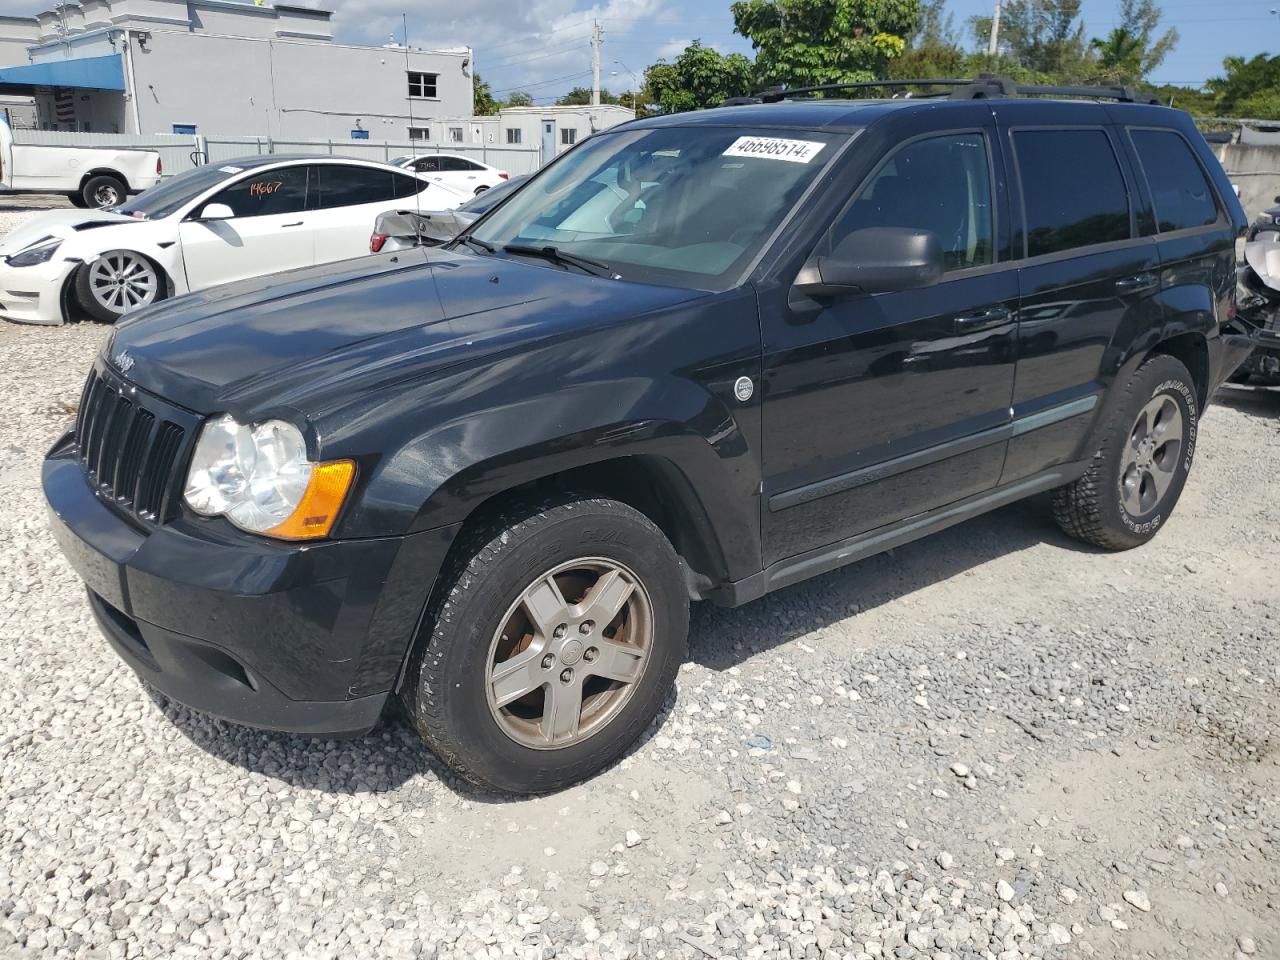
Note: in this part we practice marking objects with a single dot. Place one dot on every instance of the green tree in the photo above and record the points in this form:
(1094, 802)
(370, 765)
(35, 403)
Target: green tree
(482, 97)
(1249, 88)
(803, 42)
(581, 97)
(700, 77)
(1131, 51)
(519, 98)
(1043, 37)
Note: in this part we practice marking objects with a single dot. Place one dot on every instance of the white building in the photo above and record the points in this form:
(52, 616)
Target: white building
(218, 68)
(550, 130)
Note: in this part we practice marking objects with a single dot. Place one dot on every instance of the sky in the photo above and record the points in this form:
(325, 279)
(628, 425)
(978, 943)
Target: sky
(542, 46)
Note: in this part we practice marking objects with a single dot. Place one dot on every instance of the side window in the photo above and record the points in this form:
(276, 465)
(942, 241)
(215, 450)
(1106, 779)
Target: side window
(343, 186)
(406, 186)
(283, 190)
(428, 165)
(1179, 188)
(943, 185)
(456, 165)
(1072, 189)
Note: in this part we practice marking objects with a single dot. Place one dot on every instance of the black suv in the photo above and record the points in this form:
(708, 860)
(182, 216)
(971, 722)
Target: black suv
(700, 356)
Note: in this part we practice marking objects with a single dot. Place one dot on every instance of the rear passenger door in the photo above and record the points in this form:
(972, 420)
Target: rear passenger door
(1194, 235)
(348, 201)
(881, 407)
(1086, 278)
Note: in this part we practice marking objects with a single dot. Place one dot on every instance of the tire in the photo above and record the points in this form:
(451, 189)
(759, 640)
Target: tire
(103, 191)
(481, 189)
(479, 621)
(77, 200)
(1136, 476)
(116, 283)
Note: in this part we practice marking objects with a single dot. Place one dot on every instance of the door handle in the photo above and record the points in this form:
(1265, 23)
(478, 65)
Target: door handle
(982, 320)
(297, 224)
(1137, 283)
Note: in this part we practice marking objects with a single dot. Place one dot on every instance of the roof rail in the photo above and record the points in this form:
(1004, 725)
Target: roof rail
(983, 87)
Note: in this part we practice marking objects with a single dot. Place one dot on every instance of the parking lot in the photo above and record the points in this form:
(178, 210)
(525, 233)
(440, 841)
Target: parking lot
(992, 743)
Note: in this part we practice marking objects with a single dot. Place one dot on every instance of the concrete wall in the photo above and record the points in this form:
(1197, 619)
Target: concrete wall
(1255, 169)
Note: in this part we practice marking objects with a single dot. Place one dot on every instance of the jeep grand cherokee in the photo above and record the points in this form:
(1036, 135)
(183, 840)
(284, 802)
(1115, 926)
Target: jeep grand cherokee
(700, 356)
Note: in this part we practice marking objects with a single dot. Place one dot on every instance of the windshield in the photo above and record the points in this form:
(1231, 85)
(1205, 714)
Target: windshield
(682, 206)
(168, 197)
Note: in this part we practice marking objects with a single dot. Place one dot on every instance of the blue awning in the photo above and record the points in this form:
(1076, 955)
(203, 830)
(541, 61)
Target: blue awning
(86, 73)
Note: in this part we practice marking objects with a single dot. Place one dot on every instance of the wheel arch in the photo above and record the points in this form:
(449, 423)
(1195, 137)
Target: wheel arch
(105, 172)
(651, 483)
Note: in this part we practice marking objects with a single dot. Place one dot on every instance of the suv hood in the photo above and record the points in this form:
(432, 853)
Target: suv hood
(60, 223)
(300, 341)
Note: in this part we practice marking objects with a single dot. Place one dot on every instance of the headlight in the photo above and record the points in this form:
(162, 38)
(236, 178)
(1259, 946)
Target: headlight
(38, 252)
(260, 479)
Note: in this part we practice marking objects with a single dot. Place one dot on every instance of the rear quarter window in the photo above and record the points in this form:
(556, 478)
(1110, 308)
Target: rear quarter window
(1073, 191)
(1180, 190)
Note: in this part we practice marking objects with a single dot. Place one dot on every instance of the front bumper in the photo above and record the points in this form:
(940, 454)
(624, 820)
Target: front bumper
(34, 294)
(309, 639)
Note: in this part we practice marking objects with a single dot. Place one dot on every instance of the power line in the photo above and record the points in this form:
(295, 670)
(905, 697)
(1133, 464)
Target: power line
(543, 83)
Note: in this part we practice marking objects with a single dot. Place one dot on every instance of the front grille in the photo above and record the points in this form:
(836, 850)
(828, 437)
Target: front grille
(129, 448)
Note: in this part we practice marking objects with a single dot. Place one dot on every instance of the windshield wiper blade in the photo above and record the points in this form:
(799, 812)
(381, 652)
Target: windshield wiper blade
(595, 267)
(476, 242)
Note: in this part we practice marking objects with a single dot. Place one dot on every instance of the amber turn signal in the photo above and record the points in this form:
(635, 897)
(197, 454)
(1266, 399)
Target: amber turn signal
(320, 504)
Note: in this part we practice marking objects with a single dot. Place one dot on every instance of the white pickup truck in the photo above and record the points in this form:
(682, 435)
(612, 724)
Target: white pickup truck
(89, 176)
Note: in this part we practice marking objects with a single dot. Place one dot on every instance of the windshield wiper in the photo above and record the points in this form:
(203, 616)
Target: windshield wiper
(476, 242)
(596, 268)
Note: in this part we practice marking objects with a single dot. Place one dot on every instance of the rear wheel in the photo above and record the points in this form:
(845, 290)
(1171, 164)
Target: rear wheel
(481, 189)
(1142, 464)
(552, 643)
(118, 282)
(103, 191)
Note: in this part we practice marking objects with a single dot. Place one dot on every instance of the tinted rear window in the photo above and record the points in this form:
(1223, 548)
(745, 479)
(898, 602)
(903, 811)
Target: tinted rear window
(1072, 188)
(342, 186)
(1179, 188)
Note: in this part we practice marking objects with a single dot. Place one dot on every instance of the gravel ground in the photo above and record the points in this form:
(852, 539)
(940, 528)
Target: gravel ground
(994, 743)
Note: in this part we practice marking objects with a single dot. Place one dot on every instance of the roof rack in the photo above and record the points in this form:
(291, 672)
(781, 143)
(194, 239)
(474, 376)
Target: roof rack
(984, 86)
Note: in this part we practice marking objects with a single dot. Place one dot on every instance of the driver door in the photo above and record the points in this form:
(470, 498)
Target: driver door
(880, 407)
(269, 231)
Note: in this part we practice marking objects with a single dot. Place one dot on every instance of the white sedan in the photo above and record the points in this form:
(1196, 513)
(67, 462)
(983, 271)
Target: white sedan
(210, 225)
(453, 170)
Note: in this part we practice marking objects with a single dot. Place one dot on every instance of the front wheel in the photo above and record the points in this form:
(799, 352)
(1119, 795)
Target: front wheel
(1141, 466)
(118, 282)
(553, 640)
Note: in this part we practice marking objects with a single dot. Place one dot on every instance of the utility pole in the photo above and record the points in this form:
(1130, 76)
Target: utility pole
(597, 37)
(993, 48)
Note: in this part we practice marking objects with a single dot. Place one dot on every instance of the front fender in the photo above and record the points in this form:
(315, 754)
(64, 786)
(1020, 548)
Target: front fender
(661, 386)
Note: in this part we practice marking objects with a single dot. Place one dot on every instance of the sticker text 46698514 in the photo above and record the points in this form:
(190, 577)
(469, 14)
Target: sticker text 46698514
(775, 148)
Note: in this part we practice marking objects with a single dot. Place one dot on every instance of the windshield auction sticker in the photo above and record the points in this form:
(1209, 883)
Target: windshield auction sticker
(775, 148)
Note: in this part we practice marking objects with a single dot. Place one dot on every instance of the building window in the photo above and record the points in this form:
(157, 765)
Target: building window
(422, 84)
(513, 134)
(568, 136)
(187, 129)
(455, 134)
(419, 133)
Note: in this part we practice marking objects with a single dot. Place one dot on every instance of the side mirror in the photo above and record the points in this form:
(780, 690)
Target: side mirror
(874, 260)
(216, 211)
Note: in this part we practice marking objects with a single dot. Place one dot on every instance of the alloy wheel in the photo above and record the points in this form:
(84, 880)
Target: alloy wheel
(121, 281)
(1151, 455)
(569, 653)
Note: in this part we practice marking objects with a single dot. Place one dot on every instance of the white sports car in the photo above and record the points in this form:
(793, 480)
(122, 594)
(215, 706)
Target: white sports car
(210, 225)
